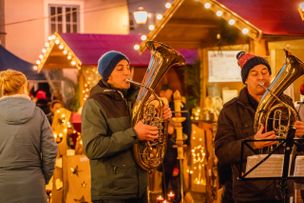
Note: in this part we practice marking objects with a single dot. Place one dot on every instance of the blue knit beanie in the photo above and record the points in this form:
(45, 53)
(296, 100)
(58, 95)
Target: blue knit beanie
(108, 61)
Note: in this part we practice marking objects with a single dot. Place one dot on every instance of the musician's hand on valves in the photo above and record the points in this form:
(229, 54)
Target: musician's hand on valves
(299, 126)
(262, 136)
(146, 132)
(167, 113)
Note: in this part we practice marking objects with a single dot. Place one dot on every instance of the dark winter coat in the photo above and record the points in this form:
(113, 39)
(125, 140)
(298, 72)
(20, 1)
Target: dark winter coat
(234, 125)
(27, 151)
(108, 137)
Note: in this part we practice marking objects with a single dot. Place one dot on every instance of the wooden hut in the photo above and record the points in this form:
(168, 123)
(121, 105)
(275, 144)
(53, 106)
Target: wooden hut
(75, 56)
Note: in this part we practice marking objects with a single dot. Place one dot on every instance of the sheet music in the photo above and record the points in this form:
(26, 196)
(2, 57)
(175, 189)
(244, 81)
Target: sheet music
(299, 167)
(271, 167)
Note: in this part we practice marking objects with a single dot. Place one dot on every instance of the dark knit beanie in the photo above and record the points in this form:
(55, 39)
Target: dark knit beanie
(247, 61)
(108, 61)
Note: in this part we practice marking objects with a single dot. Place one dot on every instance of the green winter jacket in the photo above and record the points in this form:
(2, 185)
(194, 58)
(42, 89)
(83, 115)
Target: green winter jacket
(108, 137)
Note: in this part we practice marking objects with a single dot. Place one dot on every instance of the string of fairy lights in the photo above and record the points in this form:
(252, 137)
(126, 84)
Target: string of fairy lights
(218, 9)
(141, 17)
(53, 41)
(91, 73)
(90, 79)
(63, 124)
(198, 161)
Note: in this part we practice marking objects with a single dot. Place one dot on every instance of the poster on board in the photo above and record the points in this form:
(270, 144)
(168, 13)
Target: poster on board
(223, 67)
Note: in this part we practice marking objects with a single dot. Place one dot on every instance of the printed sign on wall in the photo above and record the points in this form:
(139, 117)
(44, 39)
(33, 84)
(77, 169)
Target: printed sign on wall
(223, 67)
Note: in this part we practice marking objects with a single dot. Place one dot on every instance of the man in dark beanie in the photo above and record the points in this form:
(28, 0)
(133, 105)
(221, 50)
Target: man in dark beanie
(247, 61)
(235, 124)
(108, 135)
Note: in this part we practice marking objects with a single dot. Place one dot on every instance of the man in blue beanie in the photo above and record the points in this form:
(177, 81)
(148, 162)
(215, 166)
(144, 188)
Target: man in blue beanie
(108, 135)
(108, 61)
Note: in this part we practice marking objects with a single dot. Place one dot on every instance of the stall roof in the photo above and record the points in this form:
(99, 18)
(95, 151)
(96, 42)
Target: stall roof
(10, 61)
(89, 47)
(85, 50)
(271, 16)
(197, 23)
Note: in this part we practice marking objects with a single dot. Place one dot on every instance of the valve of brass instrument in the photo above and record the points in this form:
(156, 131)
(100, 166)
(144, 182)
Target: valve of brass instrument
(153, 153)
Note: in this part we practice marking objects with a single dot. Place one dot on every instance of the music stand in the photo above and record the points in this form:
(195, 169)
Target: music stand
(287, 145)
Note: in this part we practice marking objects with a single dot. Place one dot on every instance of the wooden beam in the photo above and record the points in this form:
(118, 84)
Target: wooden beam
(258, 47)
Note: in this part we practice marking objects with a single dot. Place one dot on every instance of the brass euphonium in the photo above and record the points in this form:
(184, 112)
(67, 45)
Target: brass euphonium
(149, 154)
(272, 112)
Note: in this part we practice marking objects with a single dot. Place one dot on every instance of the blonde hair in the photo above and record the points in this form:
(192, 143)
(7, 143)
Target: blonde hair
(11, 82)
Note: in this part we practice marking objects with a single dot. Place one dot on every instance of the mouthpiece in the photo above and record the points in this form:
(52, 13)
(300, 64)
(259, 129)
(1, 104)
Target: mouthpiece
(138, 84)
(135, 83)
(261, 83)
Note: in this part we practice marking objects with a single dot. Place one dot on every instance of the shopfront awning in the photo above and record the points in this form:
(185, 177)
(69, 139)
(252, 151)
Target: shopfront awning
(10, 61)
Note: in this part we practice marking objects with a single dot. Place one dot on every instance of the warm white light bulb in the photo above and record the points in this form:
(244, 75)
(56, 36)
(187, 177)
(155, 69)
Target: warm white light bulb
(231, 22)
(245, 31)
(143, 37)
(73, 63)
(159, 16)
(151, 27)
(168, 5)
(219, 13)
(207, 5)
(136, 47)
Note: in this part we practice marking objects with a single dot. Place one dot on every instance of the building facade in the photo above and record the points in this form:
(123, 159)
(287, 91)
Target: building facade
(27, 24)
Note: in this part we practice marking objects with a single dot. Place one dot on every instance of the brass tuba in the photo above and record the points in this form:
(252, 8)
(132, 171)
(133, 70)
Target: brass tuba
(272, 112)
(149, 154)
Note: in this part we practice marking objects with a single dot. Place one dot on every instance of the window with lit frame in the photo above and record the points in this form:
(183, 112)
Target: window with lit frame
(64, 18)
